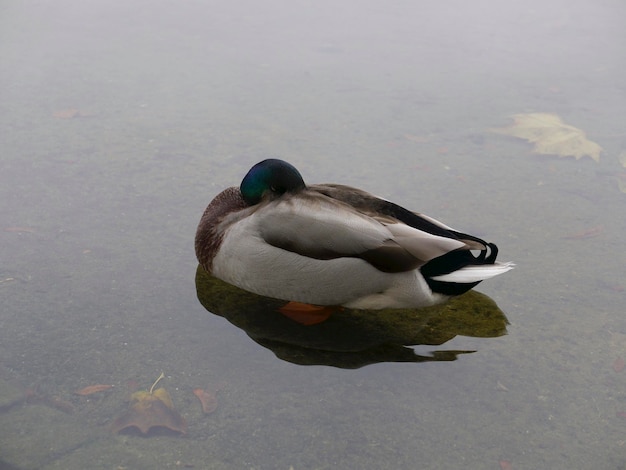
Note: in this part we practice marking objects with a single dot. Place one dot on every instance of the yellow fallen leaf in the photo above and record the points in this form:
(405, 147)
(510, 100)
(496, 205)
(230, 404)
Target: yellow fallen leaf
(622, 158)
(551, 136)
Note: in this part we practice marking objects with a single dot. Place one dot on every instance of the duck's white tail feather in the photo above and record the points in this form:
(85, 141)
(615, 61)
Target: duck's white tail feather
(475, 273)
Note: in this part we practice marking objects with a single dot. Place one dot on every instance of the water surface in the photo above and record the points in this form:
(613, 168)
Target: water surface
(121, 120)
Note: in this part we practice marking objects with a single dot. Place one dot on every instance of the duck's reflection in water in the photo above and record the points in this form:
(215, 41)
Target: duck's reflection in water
(353, 338)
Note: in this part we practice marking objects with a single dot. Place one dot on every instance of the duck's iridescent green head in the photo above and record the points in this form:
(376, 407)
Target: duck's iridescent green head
(273, 175)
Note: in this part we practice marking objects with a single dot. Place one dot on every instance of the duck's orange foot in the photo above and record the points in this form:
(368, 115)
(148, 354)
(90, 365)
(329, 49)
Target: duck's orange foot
(307, 314)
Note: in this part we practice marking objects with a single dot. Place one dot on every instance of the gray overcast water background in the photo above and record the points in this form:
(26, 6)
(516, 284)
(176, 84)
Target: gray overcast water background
(119, 122)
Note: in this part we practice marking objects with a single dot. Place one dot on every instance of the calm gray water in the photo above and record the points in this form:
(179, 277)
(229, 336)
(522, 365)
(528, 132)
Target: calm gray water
(120, 120)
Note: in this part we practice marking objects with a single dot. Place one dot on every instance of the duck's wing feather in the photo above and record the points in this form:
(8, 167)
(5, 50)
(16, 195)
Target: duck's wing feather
(371, 204)
(316, 224)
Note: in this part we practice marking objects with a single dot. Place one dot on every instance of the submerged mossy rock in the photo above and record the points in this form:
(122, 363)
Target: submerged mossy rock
(352, 338)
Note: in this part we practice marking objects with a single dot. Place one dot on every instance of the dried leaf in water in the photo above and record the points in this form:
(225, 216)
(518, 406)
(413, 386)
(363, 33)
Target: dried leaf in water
(91, 389)
(551, 136)
(207, 399)
(622, 158)
(149, 410)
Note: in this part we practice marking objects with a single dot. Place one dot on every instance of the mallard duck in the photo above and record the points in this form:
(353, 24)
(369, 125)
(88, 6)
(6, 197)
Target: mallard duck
(330, 244)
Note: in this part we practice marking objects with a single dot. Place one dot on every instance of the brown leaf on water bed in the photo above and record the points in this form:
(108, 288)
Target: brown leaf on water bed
(551, 136)
(151, 409)
(207, 399)
(619, 364)
(91, 389)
